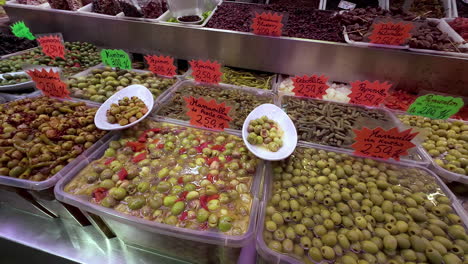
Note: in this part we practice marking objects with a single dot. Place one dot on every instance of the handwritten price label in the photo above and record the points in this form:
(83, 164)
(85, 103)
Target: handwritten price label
(310, 86)
(206, 71)
(49, 83)
(52, 46)
(436, 106)
(20, 30)
(368, 93)
(346, 5)
(161, 65)
(208, 114)
(390, 33)
(116, 59)
(383, 144)
(267, 23)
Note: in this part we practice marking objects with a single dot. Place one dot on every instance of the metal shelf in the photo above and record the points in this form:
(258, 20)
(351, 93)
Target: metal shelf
(407, 70)
(70, 242)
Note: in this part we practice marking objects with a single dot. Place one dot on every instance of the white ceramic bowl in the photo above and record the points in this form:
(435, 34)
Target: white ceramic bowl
(100, 119)
(289, 132)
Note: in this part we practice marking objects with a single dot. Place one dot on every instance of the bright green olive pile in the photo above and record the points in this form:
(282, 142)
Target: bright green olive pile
(9, 79)
(265, 132)
(447, 141)
(103, 83)
(78, 57)
(126, 111)
(337, 208)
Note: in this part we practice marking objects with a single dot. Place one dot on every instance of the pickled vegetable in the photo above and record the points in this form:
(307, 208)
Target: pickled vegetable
(344, 209)
(266, 133)
(126, 111)
(174, 175)
(241, 101)
(247, 78)
(11, 79)
(102, 83)
(446, 141)
(39, 136)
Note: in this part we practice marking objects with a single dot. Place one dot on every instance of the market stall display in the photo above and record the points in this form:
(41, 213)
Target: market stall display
(327, 206)
(100, 83)
(242, 100)
(41, 135)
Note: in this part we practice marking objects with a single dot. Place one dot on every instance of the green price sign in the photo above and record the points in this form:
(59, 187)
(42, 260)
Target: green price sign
(20, 30)
(2, 2)
(435, 106)
(116, 58)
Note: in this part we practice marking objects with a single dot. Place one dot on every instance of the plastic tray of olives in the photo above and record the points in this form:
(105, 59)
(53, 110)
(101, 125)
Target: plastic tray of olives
(446, 145)
(15, 81)
(84, 85)
(322, 206)
(331, 124)
(242, 100)
(244, 78)
(48, 167)
(149, 189)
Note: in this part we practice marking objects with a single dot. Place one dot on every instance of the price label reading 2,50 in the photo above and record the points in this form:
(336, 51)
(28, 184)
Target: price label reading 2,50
(208, 114)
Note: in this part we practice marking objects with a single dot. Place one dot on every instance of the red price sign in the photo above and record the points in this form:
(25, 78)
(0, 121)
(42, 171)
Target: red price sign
(208, 114)
(383, 144)
(267, 23)
(206, 71)
(368, 93)
(389, 33)
(52, 46)
(161, 65)
(310, 86)
(49, 82)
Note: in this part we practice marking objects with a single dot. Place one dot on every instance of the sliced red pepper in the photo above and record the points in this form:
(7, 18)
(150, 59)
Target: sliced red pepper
(109, 161)
(136, 146)
(122, 174)
(218, 147)
(210, 177)
(183, 216)
(139, 157)
(160, 146)
(155, 141)
(99, 194)
(228, 158)
(210, 160)
(203, 201)
(182, 151)
(212, 197)
(201, 147)
(142, 137)
(180, 180)
(182, 196)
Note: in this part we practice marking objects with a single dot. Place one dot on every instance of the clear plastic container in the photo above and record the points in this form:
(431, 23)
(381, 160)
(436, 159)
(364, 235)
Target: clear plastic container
(88, 72)
(185, 244)
(268, 96)
(446, 174)
(271, 256)
(416, 154)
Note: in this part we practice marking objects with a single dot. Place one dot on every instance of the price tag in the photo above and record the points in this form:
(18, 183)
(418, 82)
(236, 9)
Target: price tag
(368, 93)
(206, 71)
(116, 58)
(208, 114)
(390, 33)
(52, 46)
(436, 106)
(49, 82)
(268, 24)
(383, 144)
(161, 65)
(346, 5)
(20, 30)
(310, 86)
(2, 2)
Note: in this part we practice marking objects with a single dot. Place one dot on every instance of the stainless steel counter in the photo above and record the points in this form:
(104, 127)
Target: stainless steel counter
(411, 71)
